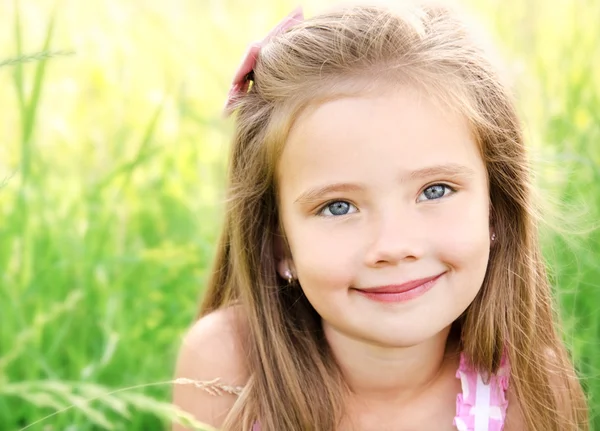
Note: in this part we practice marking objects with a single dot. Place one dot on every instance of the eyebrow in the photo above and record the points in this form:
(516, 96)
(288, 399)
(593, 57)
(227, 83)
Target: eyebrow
(450, 170)
(316, 193)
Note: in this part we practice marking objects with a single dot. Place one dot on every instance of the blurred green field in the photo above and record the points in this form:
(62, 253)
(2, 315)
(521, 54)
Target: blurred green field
(112, 164)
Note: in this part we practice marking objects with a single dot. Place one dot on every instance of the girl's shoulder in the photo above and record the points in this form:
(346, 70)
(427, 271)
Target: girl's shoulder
(211, 370)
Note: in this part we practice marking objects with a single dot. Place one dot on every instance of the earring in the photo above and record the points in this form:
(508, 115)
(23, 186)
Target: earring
(289, 276)
(494, 236)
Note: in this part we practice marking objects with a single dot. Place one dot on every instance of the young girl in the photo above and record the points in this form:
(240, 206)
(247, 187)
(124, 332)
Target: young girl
(379, 267)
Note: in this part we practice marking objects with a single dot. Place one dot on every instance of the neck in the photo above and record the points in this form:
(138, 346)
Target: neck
(383, 373)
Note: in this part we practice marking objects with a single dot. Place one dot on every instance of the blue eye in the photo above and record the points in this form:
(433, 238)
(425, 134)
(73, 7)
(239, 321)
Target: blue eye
(435, 191)
(337, 208)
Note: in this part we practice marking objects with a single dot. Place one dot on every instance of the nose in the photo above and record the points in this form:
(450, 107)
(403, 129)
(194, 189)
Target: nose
(394, 238)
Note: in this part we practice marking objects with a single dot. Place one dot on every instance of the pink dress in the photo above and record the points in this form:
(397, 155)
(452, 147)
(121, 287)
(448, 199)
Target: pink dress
(480, 406)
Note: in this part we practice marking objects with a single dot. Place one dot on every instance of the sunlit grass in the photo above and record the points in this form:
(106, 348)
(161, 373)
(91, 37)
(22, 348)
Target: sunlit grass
(112, 164)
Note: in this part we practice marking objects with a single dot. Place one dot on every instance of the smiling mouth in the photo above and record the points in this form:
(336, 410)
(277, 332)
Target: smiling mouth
(400, 292)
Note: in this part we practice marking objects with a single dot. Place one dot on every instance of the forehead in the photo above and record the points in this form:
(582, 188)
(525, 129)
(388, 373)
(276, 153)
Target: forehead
(375, 136)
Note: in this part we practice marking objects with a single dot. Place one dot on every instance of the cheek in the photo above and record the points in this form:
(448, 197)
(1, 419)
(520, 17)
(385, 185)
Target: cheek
(324, 260)
(465, 239)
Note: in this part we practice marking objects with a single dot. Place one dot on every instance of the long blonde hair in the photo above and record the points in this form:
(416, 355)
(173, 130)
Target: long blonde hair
(295, 383)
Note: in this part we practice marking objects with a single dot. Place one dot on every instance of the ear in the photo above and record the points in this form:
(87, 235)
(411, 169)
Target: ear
(283, 257)
(286, 269)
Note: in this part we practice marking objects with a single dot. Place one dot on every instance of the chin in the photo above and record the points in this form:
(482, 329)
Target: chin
(405, 337)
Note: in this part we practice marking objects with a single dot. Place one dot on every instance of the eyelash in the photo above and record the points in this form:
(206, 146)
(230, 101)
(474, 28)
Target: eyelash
(328, 203)
(446, 186)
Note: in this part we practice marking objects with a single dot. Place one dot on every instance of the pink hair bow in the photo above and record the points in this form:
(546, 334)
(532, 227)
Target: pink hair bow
(241, 82)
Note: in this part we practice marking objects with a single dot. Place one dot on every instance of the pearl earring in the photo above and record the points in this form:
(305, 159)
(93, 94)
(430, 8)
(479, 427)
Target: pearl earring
(289, 276)
(494, 236)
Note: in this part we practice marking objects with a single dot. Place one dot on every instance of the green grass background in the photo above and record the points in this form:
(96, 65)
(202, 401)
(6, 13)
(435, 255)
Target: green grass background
(112, 163)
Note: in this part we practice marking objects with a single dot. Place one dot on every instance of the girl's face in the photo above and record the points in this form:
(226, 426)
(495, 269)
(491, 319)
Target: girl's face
(377, 192)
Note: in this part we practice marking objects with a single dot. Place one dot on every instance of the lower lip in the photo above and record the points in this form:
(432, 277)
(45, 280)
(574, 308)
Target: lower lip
(413, 293)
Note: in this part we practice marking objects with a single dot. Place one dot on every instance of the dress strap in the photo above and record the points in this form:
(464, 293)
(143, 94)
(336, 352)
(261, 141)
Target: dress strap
(480, 406)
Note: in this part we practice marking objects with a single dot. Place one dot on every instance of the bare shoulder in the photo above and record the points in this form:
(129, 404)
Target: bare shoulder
(559, 381)
(515, 420)
(211, 367)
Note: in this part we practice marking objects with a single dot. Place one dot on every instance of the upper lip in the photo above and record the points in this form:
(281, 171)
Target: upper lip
(399, 288)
